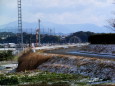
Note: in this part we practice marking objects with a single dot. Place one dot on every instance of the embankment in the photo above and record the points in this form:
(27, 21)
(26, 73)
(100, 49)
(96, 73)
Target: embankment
(92, 67)
(95, 68)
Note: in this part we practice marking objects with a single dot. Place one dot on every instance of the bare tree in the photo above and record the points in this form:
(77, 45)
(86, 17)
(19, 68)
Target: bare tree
(111, 24)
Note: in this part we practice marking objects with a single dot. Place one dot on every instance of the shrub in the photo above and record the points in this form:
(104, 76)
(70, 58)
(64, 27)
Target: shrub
(6, 55)
(8, 80)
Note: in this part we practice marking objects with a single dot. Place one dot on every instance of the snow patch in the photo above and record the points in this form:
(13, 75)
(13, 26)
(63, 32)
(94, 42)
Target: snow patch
(95, 68)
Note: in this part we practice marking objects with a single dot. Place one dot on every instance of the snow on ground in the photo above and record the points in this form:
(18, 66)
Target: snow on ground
(89, 54)
(100, 48)
(60, 46)
(8, 66)
(2, 49)
(95, 68)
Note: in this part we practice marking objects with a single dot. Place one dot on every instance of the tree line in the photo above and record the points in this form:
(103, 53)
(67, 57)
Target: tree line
(80, 36)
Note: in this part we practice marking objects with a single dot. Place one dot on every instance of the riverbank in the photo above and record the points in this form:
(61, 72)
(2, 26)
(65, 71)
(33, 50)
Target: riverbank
(98, 71)
(92, 67)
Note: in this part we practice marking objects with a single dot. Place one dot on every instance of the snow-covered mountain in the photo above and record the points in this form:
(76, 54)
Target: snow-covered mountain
(59, 28)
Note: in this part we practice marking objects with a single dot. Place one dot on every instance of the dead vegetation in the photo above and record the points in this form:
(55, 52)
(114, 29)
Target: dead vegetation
(30, 61)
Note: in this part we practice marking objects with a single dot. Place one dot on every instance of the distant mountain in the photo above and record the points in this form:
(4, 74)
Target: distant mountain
(57, 28)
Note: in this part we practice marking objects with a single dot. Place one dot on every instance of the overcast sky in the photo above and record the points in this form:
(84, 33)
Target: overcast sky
(59, 11)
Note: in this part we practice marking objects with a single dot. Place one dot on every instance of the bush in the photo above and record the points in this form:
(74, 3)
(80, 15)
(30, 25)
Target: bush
(6, 55)
(8, 80)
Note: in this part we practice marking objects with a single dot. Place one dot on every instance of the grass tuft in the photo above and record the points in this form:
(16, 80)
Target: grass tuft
(30, 61)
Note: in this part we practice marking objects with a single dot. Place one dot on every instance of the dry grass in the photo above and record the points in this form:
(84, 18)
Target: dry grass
(30, 61)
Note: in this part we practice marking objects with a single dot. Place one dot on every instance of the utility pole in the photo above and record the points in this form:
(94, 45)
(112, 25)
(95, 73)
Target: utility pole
(54, 31)
(43, 32)
(20, 31)
(30, 38)
(39, 32)
(50, 32)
